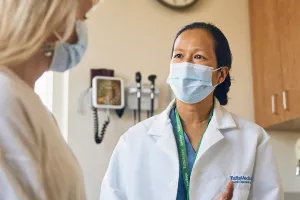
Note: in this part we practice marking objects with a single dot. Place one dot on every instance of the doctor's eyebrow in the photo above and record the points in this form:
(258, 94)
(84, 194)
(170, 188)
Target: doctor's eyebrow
(195, 50)
(178, 50)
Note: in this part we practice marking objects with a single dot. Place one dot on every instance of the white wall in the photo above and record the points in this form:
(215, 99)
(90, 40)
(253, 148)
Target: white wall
(283, 147)
(137, 35)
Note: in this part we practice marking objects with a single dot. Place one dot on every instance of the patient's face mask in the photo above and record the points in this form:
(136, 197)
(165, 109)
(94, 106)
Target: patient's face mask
(66, 56)
(191, 83)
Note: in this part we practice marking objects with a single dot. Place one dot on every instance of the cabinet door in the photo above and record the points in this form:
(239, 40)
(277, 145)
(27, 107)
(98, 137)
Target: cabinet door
(289, 29)
(266, 62)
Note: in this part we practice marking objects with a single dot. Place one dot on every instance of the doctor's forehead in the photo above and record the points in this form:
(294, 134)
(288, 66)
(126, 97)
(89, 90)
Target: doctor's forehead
(195, 38)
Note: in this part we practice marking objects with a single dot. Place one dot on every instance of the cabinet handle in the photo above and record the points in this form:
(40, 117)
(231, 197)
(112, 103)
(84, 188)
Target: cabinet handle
(273, 104)
(284, 100)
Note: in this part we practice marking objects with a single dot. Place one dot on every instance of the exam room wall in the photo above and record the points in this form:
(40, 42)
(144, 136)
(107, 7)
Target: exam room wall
(137, 35)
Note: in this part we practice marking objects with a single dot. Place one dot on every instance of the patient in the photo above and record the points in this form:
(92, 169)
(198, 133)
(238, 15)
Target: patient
(37, 36)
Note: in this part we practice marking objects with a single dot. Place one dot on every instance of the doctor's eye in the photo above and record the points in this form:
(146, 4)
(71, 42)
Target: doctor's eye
(200, 57)
(178, 55)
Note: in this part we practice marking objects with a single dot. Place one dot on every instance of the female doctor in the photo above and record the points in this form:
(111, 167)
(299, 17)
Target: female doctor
(37, 36)
(195, 147)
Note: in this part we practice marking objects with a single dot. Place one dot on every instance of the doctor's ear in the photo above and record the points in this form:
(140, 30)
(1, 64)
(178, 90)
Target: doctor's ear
(223, 73)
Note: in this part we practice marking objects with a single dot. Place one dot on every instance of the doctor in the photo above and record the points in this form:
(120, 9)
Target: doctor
(195, 147)
(37, 36)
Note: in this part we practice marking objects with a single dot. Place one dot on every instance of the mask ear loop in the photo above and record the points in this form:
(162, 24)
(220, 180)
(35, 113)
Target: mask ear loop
(222, 81)
(58, 36)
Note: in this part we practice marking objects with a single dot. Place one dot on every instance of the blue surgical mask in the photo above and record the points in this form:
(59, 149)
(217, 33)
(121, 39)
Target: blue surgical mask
(191, 83)
(66, 56)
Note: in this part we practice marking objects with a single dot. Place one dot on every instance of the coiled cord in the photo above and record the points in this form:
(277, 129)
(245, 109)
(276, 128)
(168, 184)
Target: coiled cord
(104, 127)
(99, 138)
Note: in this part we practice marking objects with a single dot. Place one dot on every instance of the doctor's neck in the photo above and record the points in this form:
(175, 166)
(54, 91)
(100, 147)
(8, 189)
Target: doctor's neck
(195, 113)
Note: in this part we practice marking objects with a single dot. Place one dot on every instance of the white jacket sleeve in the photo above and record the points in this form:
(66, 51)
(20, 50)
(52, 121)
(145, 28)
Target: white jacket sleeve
(114, 179)
(266, 184)
(20, 153)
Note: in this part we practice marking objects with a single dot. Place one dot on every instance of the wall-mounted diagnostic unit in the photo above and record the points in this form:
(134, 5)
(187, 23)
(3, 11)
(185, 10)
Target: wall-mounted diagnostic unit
(108, 92)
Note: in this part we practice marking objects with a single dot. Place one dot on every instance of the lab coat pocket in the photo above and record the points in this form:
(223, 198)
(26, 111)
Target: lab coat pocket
(240, 194)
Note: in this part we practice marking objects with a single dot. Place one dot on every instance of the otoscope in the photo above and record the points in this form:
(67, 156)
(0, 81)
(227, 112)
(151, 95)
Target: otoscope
(152, 78)
(138, 78)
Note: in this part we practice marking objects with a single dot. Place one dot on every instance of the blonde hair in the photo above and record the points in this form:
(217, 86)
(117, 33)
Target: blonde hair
(26, 25)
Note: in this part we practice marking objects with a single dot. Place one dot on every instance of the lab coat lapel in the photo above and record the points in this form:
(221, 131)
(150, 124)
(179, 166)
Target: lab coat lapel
(210, 138)
(221, 119)
(167, 143)
(162, 129)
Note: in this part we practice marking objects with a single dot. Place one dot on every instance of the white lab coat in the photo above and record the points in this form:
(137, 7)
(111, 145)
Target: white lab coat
(145, 165)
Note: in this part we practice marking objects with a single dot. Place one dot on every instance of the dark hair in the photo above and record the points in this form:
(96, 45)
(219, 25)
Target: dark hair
(223, 54)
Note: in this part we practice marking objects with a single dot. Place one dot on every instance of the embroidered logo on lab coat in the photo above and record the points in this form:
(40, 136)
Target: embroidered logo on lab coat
(241, 179)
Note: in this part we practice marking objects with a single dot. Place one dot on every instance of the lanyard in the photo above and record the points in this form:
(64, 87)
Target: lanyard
(182, 149)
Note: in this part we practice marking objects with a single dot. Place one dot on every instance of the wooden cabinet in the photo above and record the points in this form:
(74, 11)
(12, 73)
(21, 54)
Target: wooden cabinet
(275, 36)
(289, 18)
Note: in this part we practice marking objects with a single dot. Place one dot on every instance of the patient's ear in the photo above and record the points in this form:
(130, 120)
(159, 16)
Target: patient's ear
(84, 7)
